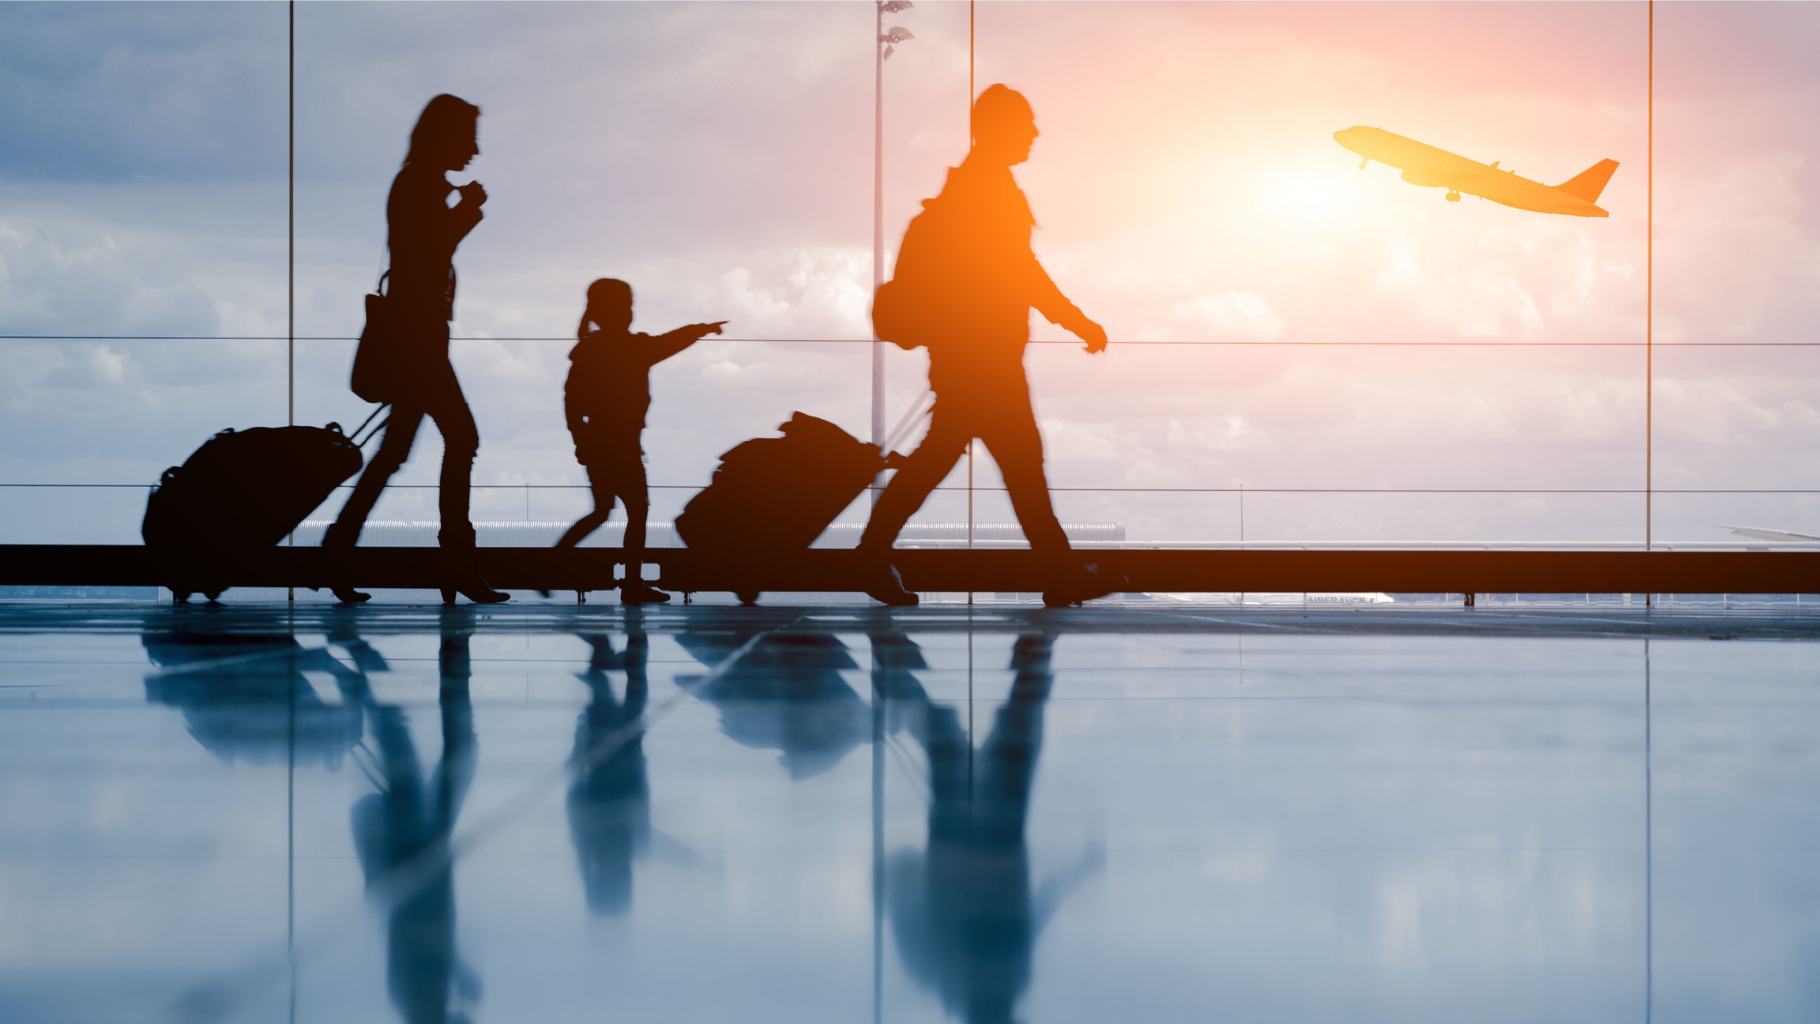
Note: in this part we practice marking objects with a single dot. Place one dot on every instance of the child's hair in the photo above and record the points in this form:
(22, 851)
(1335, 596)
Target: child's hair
(606, 293)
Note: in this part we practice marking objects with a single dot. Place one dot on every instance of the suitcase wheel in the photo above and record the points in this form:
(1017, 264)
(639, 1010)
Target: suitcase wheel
(212, 595)
(180, 596)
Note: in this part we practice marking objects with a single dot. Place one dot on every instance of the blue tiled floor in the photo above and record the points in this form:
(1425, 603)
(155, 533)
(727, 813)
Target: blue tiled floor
(777, 814)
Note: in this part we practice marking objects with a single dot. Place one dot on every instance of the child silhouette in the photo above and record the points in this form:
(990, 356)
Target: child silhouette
(605, 400)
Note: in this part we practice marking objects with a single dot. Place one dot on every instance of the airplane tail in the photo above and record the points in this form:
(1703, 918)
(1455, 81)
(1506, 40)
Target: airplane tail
(1589, 183)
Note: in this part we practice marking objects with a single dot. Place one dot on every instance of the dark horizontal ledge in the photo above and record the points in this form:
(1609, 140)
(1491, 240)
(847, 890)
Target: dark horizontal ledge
(1000, 489)
(1003, 570)
(1118, 342)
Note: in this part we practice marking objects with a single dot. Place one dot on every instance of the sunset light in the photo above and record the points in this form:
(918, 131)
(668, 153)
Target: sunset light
(909, 511)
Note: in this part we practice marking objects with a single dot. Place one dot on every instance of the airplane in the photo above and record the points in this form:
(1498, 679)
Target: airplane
(1761, 533)
(1425, 165)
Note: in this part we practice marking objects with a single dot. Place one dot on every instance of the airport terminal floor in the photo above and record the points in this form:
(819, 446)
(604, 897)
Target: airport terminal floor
(257, 812)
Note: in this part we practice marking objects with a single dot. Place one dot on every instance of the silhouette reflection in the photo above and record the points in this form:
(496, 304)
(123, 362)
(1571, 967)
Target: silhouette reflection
(244, 696)
(609, 801)
(401, 833)
(786, 693)
(965, 909)
(964, 912)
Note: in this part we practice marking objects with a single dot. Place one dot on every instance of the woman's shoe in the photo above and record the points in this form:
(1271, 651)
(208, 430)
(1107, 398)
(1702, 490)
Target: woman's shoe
(464, 568)
(348, 595)
(476, 591)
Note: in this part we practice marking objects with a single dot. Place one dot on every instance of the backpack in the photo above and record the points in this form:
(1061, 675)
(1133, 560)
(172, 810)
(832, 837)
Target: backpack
(908, 310)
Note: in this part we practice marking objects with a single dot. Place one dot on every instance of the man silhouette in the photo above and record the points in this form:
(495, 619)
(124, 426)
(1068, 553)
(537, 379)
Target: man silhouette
(989, 280)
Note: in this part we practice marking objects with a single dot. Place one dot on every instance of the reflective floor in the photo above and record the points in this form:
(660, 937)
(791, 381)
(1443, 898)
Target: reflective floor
(778, 814)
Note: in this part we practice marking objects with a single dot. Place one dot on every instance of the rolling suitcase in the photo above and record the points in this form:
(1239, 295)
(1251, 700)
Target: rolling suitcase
(241, 492)
(772, 496)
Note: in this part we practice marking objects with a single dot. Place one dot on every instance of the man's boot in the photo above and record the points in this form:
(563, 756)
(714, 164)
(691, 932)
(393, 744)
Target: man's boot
(883, 583)
(1083, 582)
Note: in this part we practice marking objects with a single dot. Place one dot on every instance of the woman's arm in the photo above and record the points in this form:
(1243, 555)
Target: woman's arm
(465, 214)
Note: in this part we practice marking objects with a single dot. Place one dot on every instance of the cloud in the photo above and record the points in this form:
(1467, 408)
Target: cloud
(91, 366)
(1233, 316)
(820, 293)
(1758, 207)
(142, 92)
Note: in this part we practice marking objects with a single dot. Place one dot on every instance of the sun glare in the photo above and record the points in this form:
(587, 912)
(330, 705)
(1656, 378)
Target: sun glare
(1298, 198)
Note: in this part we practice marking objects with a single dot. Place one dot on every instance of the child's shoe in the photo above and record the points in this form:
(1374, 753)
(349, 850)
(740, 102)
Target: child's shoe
(640, 592)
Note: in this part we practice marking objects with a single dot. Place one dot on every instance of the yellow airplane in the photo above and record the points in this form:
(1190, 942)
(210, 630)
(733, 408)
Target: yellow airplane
(1425, 165)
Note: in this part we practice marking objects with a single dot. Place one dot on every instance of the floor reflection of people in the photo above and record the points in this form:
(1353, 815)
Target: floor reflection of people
(785, 693)
(245, 696)
(609, 800)
(402, 834)
(964, 912)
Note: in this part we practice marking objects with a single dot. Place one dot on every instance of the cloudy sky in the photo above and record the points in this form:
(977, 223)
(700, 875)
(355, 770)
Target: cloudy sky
(719, 157)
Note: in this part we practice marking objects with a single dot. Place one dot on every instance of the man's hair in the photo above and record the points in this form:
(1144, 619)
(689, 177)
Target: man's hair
(443, 118)
(1000, 106)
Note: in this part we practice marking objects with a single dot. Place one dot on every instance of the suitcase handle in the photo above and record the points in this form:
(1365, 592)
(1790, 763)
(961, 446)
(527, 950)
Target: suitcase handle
(359, 441)
(362, 441)
(924, 404)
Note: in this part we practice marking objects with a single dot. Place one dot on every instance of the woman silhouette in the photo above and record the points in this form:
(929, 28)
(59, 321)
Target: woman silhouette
(423, 230)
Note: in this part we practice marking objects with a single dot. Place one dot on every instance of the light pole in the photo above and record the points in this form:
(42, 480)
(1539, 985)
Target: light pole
(885, 42)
